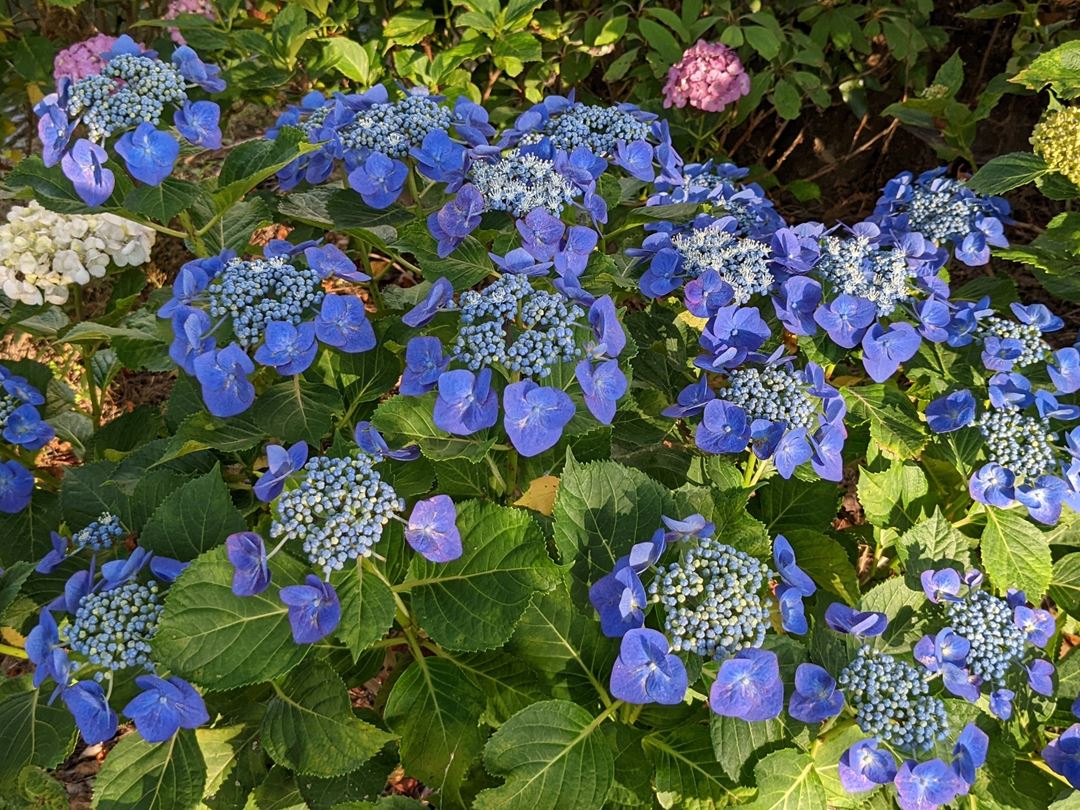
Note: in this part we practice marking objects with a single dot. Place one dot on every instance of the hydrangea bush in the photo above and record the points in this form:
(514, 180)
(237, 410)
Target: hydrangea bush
(534, 461)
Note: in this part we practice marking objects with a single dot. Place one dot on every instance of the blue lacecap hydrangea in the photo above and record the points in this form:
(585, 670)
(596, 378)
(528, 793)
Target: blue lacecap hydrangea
(334, 510)
(21, 425)
(528, 334)
(103, 624)
(704, 598)
(229, 314)
(127, 101)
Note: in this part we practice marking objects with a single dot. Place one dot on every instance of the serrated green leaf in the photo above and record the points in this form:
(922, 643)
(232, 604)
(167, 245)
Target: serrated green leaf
(220, 641)
(34, 732)
(221, 747)
(138, 775)
(409, 420)
(930, 544)
(602, 509)
(11, 580)
(468, 265)
(195, 518)
(1006, 172)
(367, 607)
(476, 601)
(436, 709)
(902, 605)
(894, 422)
(825, 560)
(737, 742)
(1065, 584)
(787, 780)
(297, 410)
(686, 772)
(896, 498)
(1015, 554)
(162, 202)
(552, 756)
(310, 727)
(1059, 67)
(201, 431)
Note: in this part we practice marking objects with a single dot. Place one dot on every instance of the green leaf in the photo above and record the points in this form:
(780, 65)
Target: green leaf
(825, 560)
(787, 99)
(11, 580)
(902, 604)
(297, 410)
(1060, 68)
(409, 26)
(195, 518)
(350, 59)
(602, 509)
(162, 202)
(1065, 585)
(409, 420)
(138, 775)
(787, 780)
(221, 749)
(32, 527)
(34, 732)
(661, 40)
(1015, 553)
(762, 40)
(894, 422)
(551, 757)
(342, 210)
(687, 775)
(310, 727)
(436, 709)
(896, 498)
(233, 230)
(367, 608)
(737, 742)
(219, 640)
(1006, 172)
(366, 376)
(476, 601)
(201, 431)
(253, 161)
(784, 504)
(468, 265)
(930, 544)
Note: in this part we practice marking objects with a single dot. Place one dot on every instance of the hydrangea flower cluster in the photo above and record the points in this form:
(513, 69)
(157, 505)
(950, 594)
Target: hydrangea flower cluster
(337, 507)
(709, 76)
(128, 97)
(271, 310)
(717, 187)
(82, 59)
(1056, 139)
(108, 617)
(787, 415)
(525, 333)
(1006, 344)
(43, 253)
(201, 8)
(22, 425)
(100, 534)
(517, 182)
(1026, 461)
(711, 601)
(946, 212)
(984, 641)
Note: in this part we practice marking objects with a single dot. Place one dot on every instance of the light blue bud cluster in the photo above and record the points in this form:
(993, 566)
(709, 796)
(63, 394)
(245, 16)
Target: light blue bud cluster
(987, 622)
(100, 534)
(743, 263)
(712, 600)
(776, 393)
(511, 324)
(130, 89)
(1019, 442)
(595, 127)
(8, 404)
(944, 210)
(892, 701)
(519, 182)
(857, 266)
(338, 511)
(113, 628)
(393, 128)
(253, 292)
(1033, 349)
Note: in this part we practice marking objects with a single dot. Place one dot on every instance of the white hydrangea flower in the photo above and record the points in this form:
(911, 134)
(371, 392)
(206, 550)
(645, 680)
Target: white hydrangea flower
(42, 253)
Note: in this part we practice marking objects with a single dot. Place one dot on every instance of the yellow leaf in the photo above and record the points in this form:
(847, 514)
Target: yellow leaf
(692, 320)
(540, 496)
(34, 93)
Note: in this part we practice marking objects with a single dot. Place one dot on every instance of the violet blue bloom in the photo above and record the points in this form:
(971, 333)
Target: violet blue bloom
(191, 328)
(693, 526)
(342, 323)
(84, 166)
(646, 671)
(192, 68)
(951, 412)
(286, 348)
(164, 707)
(39, 646)
(619, 599)
(1064, 370)
(864, 766)
(314, 609)
(520, 262)
(602, 385)
(432, 529)
(1043, 498)
(941, 585)
(846, 319)
(1063, 755)
(844, 619)
(724, 428)
(330, 260)
(816, 697)
(1038, 625)
(992, 484)
(535, 416)
(790, 573)
(691, 400)
(1041, 677)
(88, 705)
(604, 320)
(198, 123)
(440, 159)
(55, 132)
(452, 223)
(792, 610)
(226, 388)
(729, 337)
(167, 569)
(466, 402)
(369, 440)
(884, 350)
(424, 363)
(969, 754)
(1001, 703)
(440, 294)
(926, 785)
(148, 153)
(26, 428)
(280, 463)
(796, 302)
(379, 180)
(251, 572)
(117, 572)
(748, 686)
(55, 556)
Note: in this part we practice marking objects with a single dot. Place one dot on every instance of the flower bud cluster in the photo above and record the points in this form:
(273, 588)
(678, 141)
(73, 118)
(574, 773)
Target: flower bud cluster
(597, 128)
(742, 263)
(99, 535)
(987, 622)
(776, 393)
(253, 292)
(1032, 347)
(130, 89)
(519, 182)
(393, 128)
(113, 628)
(1019, 442)
(857, 266)
(1056, 139)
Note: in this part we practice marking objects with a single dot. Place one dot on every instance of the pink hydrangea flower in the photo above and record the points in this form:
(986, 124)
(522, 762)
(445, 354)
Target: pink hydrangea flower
(709, 76)
(204, 8)
(83, 58)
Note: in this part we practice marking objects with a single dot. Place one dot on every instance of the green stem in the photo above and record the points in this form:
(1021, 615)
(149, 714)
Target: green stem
(91, 389)
(414, 195)
(748, 473)
(512, 465)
